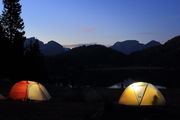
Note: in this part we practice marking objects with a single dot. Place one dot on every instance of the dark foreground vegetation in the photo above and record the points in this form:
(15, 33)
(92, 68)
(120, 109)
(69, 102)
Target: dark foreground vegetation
(88, 104)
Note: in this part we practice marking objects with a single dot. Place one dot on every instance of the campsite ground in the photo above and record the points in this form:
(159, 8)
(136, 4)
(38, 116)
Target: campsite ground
(84, 104)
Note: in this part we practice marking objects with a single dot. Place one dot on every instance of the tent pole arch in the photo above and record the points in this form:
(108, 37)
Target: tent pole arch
(26, 93)
(41, 90)
(143, 94)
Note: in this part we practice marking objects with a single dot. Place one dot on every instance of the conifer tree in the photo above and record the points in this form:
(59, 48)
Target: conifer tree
(13, 26)
(3, 40)
(13, 29)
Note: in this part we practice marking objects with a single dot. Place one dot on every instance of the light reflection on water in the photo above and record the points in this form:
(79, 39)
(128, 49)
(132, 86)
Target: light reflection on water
(106, 78)
(125, 83)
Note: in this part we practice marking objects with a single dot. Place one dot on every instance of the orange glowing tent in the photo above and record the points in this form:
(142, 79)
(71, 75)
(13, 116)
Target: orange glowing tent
(29, 90)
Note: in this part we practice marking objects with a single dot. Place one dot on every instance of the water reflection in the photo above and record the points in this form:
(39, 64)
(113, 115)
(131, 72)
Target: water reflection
(106, 78)
(125, 83)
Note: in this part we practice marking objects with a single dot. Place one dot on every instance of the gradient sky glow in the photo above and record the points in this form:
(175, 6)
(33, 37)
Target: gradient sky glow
(101, 21)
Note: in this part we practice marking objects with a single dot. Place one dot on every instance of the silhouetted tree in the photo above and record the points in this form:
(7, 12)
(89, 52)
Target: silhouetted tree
(2, 39)
(4, 51)
(13, 25)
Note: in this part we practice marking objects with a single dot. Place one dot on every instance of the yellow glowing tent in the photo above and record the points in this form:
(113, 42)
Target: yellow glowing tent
(142, 94)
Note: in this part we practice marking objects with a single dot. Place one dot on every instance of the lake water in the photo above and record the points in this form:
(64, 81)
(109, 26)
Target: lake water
(105, 78)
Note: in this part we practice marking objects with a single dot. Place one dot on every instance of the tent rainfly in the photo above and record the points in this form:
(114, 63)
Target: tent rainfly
(142, 94)
(29, 90)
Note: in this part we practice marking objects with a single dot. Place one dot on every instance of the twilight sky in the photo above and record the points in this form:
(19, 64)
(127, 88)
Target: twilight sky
(101, 21)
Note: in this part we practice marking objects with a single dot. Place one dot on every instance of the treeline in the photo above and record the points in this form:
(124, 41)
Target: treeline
(16, 61)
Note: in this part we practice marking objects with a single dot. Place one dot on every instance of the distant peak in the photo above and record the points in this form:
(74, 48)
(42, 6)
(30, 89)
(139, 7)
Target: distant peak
(32, 38)
(130, 41)
(125, 41)
(53, 44)
(51, 41)
(153, 41)
(130, 46)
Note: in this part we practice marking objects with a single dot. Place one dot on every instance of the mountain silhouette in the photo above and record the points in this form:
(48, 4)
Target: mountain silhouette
(51, 48)
(93, 55)
(130, 46)
(151, 44)
(86, 57)
(97, 64)
(167, 55)
(78, 45)
(132, 53)
(127, 47)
